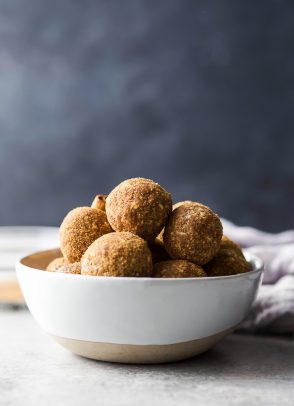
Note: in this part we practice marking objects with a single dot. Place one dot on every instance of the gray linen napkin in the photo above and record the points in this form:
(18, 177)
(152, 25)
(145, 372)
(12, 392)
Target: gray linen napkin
(273, 309)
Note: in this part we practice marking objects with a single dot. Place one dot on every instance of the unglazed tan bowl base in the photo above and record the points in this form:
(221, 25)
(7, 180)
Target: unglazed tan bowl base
(141, 354)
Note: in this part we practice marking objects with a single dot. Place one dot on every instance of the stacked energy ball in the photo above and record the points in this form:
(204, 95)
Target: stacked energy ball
(135, 231)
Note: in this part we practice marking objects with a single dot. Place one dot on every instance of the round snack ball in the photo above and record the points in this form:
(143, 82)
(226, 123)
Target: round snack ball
(140, 206)
(175, 206)
(54, 265)
(193, 232)
(74, 268)
(158, 251)
(80, 227)
(178, 204)
(99, 202)
(118, 254)
(177, 268)
(227, 262)
(227, 243)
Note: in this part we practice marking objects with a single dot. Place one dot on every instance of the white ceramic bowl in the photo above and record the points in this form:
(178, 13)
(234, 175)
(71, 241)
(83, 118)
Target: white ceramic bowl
(137, 320)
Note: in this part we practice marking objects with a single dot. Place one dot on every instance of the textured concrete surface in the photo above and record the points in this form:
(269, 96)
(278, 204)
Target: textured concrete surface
(241, 370)
(196, 94)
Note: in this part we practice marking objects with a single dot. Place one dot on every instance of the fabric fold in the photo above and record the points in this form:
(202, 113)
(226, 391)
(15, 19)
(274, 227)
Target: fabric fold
(273, 309)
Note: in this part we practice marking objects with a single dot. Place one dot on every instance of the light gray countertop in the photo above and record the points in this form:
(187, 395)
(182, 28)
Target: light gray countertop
(241, 370)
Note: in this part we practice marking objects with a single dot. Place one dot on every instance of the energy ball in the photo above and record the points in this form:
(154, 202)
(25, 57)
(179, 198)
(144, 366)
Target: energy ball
(80, 227)
(177, 268)
(158, 251)
(175, 206)
(227, 243)
(193, 232)
(139, 206)
(227, 262)
(74, 268)
(118, 254)
(178, 204)
(99, 202)
(62, 265)
(54, 265)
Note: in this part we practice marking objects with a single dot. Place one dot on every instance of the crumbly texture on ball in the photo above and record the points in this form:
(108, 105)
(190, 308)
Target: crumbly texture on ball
(178, 204)
(140, 206)
(177, 268)
(227, 243)
(158, 251)
(74, 268)
(193, 232)
(175, 206)
(79, 229)
(227, 262)
(54, 265)
(99, 202)
(118, 254)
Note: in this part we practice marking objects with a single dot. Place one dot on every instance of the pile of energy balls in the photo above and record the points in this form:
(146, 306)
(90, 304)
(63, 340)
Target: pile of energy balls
(135, 231)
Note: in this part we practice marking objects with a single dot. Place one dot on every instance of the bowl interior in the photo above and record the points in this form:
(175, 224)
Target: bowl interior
(40, 260)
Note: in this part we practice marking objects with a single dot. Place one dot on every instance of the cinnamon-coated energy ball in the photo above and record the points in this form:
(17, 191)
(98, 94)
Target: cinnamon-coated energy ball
(177, 268)
(74, 268)
(158, 251)
(193, 232)
(227, 243)
(118, 254)
(54, 265)
(140, 206)
(160, 235)
(80, 227)
(62, 265)
(227, 262)
(175, 206)
(99, 202)
(178, 204)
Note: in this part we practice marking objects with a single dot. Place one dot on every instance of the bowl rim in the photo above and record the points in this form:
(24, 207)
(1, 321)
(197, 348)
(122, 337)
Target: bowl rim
(256, 262)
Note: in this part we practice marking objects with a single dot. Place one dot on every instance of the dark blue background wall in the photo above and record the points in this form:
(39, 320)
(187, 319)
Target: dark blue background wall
(197, 95)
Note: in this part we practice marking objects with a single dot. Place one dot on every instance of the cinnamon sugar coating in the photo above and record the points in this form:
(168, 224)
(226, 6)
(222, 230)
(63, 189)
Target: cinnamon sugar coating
(140, 206)
(175, 206)
(74, 268)
(80, 227)
(193, 232)
(178, 204)
(227, 243)
(54, 265)
(177, 268)
(62, 265)
(227, 262)
(118, 254)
